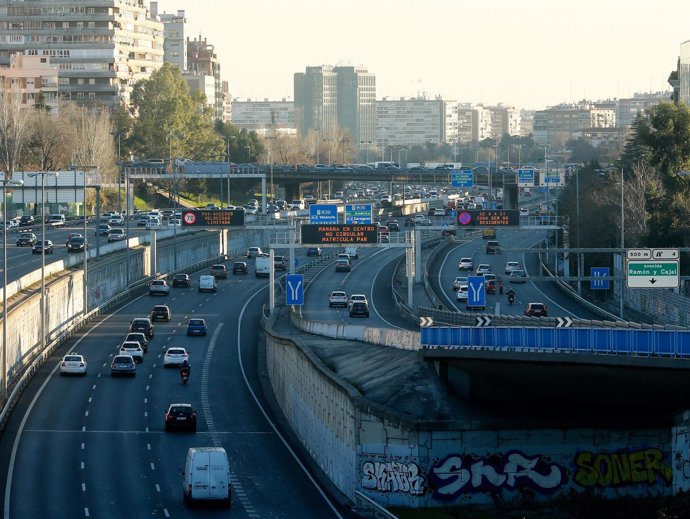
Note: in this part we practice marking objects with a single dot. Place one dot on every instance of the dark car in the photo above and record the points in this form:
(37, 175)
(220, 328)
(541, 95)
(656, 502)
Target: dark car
(240, 267)
(143, 325)
(161, 312)
(197, 326)
(219, 271)
(26, 220)
(43, 247)
(123, 365)
(181, 280)
(103, 229)
(314, 251)
(536, 310)
(26, 239)
(180, 416)
(393, 225)
(492, 247)
(359, 308)
(76, 244)
(140, 338)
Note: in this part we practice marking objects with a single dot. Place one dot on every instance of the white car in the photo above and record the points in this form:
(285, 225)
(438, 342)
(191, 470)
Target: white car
(175, 356)
(117, 234)
(159, 287)
(465, 264)
(512, 265)
(422, 221)
(116, 220)
(462, 292)
(134, 349)
(153, 224)
(73, 364)
(524, 212)
(337, 298)
(354, 298)
(460, 281)
(484, 268)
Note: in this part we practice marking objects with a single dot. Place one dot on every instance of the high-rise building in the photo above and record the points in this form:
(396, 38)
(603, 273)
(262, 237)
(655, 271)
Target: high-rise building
(332, 100)
(684, 73)
(409, 122)
(100, 48)
(203, 61)
(175, 36)
(261, 115)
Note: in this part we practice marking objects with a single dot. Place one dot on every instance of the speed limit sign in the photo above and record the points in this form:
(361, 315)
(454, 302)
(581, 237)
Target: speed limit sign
(189, 218)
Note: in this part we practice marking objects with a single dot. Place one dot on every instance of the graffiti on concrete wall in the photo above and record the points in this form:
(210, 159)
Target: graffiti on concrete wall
(622, 468)
(392, 476)
(457, 474)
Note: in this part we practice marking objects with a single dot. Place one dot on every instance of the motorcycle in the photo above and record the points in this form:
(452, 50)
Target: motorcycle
(184, 374)
(511, 298)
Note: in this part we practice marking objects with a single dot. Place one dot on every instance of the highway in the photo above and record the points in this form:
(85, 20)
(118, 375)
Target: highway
(96, 446)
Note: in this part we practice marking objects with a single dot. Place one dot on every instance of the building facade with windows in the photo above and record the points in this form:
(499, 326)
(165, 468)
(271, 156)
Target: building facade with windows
(175, 36)
(100, 48)
(35, 78)
(684, 73)
(260, 115)
(203, 61)
(410, 122)
(557, 125)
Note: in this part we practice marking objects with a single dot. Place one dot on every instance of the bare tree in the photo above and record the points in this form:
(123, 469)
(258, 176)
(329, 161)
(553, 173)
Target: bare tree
(51, 140)
(93, 143)
(15, 123)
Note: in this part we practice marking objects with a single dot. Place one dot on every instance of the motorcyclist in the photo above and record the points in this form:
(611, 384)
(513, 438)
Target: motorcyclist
(185, 369)
(511, 294)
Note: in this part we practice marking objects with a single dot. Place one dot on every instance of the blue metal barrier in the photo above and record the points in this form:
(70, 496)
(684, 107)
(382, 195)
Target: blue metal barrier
(606, 341)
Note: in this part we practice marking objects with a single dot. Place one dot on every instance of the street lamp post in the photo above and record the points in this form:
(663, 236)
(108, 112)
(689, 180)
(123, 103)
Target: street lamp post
(5, 182)
(622, 283)
(119, 180)
(43, 175)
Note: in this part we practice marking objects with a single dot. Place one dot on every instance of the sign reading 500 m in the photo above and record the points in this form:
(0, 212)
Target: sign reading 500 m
(341, 233)
(211, 218)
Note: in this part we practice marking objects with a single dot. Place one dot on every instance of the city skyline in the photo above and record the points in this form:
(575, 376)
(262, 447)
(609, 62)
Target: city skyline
(598, 51)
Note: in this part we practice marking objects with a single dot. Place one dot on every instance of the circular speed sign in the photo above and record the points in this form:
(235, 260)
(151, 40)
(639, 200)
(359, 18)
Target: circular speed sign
(189, 218)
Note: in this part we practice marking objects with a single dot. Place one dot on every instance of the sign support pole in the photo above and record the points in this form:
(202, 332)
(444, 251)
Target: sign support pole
(417, 261)
(271, 285)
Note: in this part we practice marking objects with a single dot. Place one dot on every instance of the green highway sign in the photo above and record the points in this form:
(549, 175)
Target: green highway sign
(653, 274)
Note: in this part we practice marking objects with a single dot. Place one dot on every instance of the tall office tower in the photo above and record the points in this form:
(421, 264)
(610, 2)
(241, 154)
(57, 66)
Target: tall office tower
(203, 61)
(101, 47)
(316, 101)
(357, 104)
(175, 41)
(684, 73)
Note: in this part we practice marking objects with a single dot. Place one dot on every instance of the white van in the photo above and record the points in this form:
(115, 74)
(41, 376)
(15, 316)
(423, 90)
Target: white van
(207, 476)
(262, 267)
(298, 205)
(57, 220)
(208, 284)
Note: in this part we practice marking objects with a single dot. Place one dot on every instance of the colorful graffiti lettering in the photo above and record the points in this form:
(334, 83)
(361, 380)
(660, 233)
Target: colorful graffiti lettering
(623, 468)
(481, 474)
(392, 477)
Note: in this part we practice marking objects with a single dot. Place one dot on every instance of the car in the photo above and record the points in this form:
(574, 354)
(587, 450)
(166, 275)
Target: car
(489, 233)
(240, 267)
(219, 271)
(123, 365)
(181, 280)
(140, 338)
(197, 326)
(26, 239)
(103, 229)
(116, 235)
(280, 263)
(253, 252)
(142, 220)
(536, 310)
(143, 325)
(43, 247)
(175, 356)
(355, 298)
(116, 220)
(180, 416)
(484, 268)
(337, 298)
(77, 244)
(359, 308)
(490, 283)
(161, 312)
(25, 220)
(492, 247)
(134, 349)
(73, 364)
(72, 235)
(343, 256)
(423, 221)
(462, 293)
(393, 225)
(314, 251)
(524, 212)
(466, 264)
(439, 212)
(512, 265)
(153, 224)
(518, 276)
(384, 238)
(459, 281)
(159, 287)
(343, 265)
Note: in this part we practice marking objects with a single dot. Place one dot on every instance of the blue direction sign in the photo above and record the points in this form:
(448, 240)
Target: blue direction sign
(294, 295)
(323, 213)
(552, 179)
(461, 177)
(358, 214)
(600, 278)
(525, 177)
(476, 292)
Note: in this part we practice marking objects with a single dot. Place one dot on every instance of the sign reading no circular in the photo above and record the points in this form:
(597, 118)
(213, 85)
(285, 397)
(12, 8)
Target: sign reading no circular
(189, 218)
(464, 218)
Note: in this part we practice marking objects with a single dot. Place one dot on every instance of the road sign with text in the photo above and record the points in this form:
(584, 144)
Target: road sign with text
(653, 274)
(358, 213)
(323, 213)
(461, 177)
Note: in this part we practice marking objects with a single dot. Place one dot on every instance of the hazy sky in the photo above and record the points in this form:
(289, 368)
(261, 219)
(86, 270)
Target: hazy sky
(524, 53)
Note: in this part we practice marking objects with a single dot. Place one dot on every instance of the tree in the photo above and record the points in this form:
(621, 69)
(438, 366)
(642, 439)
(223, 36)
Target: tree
(15, 126)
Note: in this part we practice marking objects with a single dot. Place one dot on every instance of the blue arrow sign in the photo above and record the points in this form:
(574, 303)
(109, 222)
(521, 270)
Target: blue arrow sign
(600, 278)
(294, 295)
(323, 214)
(476, 291)
(358, 213)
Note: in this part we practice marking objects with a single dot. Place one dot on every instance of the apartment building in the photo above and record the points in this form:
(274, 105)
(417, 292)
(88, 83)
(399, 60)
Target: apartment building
(202, 60)
(101, 48)
(410, 122)
(557, 125)
(36, 78)
(256, 115)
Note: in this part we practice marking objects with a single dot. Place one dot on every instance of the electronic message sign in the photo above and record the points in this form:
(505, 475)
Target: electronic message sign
(342, 233)
(490, 218)
(212, 218)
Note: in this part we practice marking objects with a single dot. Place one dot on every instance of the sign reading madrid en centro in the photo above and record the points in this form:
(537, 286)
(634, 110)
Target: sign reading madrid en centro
(653, 274)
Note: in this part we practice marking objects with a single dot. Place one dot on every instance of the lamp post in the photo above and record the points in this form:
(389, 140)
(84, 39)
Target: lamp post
(230, 138)
(316, 130)
(119, 180)
(43, 175)
(366, 150)
(622, 283)
(5, 182)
